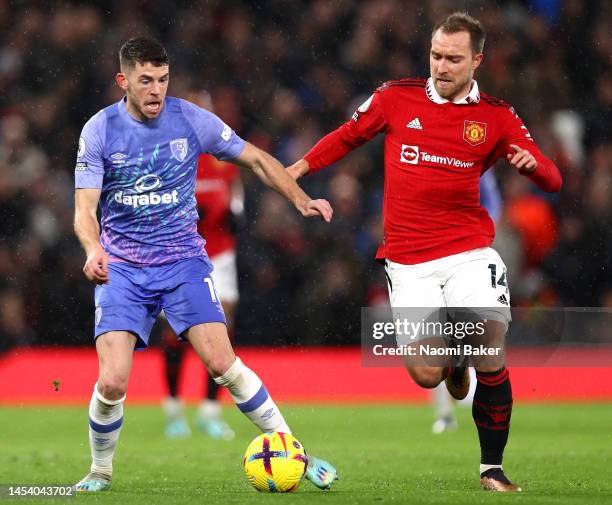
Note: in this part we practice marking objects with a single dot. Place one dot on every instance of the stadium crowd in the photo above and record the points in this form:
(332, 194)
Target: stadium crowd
(282, 73)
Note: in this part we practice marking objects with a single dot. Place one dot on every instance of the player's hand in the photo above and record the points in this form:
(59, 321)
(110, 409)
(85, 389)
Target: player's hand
(96, 266)
(312, 208)
(522, 160)
(298, 169)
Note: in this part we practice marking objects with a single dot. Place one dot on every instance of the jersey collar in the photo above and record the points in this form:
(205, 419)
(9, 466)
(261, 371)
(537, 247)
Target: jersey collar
(472, 97)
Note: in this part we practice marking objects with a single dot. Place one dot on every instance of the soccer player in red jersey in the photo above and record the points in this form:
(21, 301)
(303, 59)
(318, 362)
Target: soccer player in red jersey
(441, 134)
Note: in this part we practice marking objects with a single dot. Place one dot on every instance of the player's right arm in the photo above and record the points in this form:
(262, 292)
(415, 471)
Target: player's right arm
(88, 179)
(367, 122)
(87, 230)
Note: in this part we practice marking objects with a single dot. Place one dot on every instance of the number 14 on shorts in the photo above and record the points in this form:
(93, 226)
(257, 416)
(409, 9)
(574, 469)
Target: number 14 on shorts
(497, 282)
(502, 281)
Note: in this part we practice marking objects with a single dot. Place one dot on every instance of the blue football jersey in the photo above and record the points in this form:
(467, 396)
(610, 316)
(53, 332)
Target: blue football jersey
(146, 171)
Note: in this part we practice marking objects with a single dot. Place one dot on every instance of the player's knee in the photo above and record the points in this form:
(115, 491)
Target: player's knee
(112, 387)
(426, 377)
(218, 365)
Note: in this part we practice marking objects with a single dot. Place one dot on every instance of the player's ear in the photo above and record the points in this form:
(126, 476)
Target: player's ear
(121, 81)
(476, 60)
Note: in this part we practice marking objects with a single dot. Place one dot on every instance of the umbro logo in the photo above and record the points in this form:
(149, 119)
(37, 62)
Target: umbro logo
(415, 124)
(268, 414)
(118, 158)
(503, 299)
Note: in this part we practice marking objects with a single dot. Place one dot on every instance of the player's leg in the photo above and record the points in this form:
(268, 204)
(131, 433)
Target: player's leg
(212, 344)
(413, 290)
(444, 405)
(225, 278)
(444, 410)
(210, 413)
(115, 351)
(173, 351)
(479, 282)
(194, 311)
(492, 410)
(123, 320)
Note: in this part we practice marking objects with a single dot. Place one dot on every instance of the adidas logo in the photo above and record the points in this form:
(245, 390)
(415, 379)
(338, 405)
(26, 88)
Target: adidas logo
(503, 299)
(415, 124)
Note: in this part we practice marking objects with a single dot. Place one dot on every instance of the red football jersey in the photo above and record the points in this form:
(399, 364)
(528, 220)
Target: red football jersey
(435, 153)
(213, 190)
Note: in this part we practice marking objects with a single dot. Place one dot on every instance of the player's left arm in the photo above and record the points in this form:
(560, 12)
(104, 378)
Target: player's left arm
(218, 139)
(523, 154)
(274, 175)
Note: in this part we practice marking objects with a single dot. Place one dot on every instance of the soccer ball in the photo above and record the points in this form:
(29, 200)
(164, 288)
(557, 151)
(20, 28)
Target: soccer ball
(275, 462)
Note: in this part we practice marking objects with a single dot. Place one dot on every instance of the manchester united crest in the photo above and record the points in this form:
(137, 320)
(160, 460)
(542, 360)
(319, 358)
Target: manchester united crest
(474, 132)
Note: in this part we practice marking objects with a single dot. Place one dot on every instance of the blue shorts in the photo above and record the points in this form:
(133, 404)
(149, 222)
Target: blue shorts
(135, 295)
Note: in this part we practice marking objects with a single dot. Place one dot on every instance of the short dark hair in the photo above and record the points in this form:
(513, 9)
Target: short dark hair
(463, 22)
(142, 50)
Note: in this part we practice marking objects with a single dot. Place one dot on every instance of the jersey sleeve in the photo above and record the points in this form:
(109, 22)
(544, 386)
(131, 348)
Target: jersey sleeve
(89, 168)
(367, 122)
(214, 136)
(546, 175)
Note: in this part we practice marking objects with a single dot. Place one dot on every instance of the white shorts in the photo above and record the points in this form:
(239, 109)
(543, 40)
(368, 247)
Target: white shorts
(225, 276)
(475, 278)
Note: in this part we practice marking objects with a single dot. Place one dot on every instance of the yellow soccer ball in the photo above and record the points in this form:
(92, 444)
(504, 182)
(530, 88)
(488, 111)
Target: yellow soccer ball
(275, 462)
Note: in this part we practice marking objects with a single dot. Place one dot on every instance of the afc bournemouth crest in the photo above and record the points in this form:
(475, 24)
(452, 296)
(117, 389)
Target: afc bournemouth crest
(474, 132)
(178, 148)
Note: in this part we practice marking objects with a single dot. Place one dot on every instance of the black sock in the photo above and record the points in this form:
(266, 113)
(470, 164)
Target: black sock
(212, 389)
(491, 411)
(173, 355)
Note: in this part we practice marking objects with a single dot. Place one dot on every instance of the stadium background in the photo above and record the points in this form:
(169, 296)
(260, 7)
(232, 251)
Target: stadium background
(282, 73)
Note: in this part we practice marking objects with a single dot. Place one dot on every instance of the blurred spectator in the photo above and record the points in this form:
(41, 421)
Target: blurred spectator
(14, 328)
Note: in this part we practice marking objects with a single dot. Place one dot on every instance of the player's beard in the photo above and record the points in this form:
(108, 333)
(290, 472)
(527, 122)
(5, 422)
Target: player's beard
(452, 92)
(140, 106)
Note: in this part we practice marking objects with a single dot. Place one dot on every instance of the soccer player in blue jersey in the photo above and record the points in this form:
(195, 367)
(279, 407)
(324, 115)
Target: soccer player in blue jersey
(137, 161)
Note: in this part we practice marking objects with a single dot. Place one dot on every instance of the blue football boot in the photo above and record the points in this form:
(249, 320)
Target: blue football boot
(321, 473)
(93, 482)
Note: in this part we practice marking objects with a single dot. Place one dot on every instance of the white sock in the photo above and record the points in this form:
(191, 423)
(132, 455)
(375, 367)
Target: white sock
(252, 398)
(484, 468)
(443, 402)
(105, 420)
(210, 409)
(173, 407)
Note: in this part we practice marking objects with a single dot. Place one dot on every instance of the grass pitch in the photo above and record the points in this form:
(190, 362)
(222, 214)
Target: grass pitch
(384, 454)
